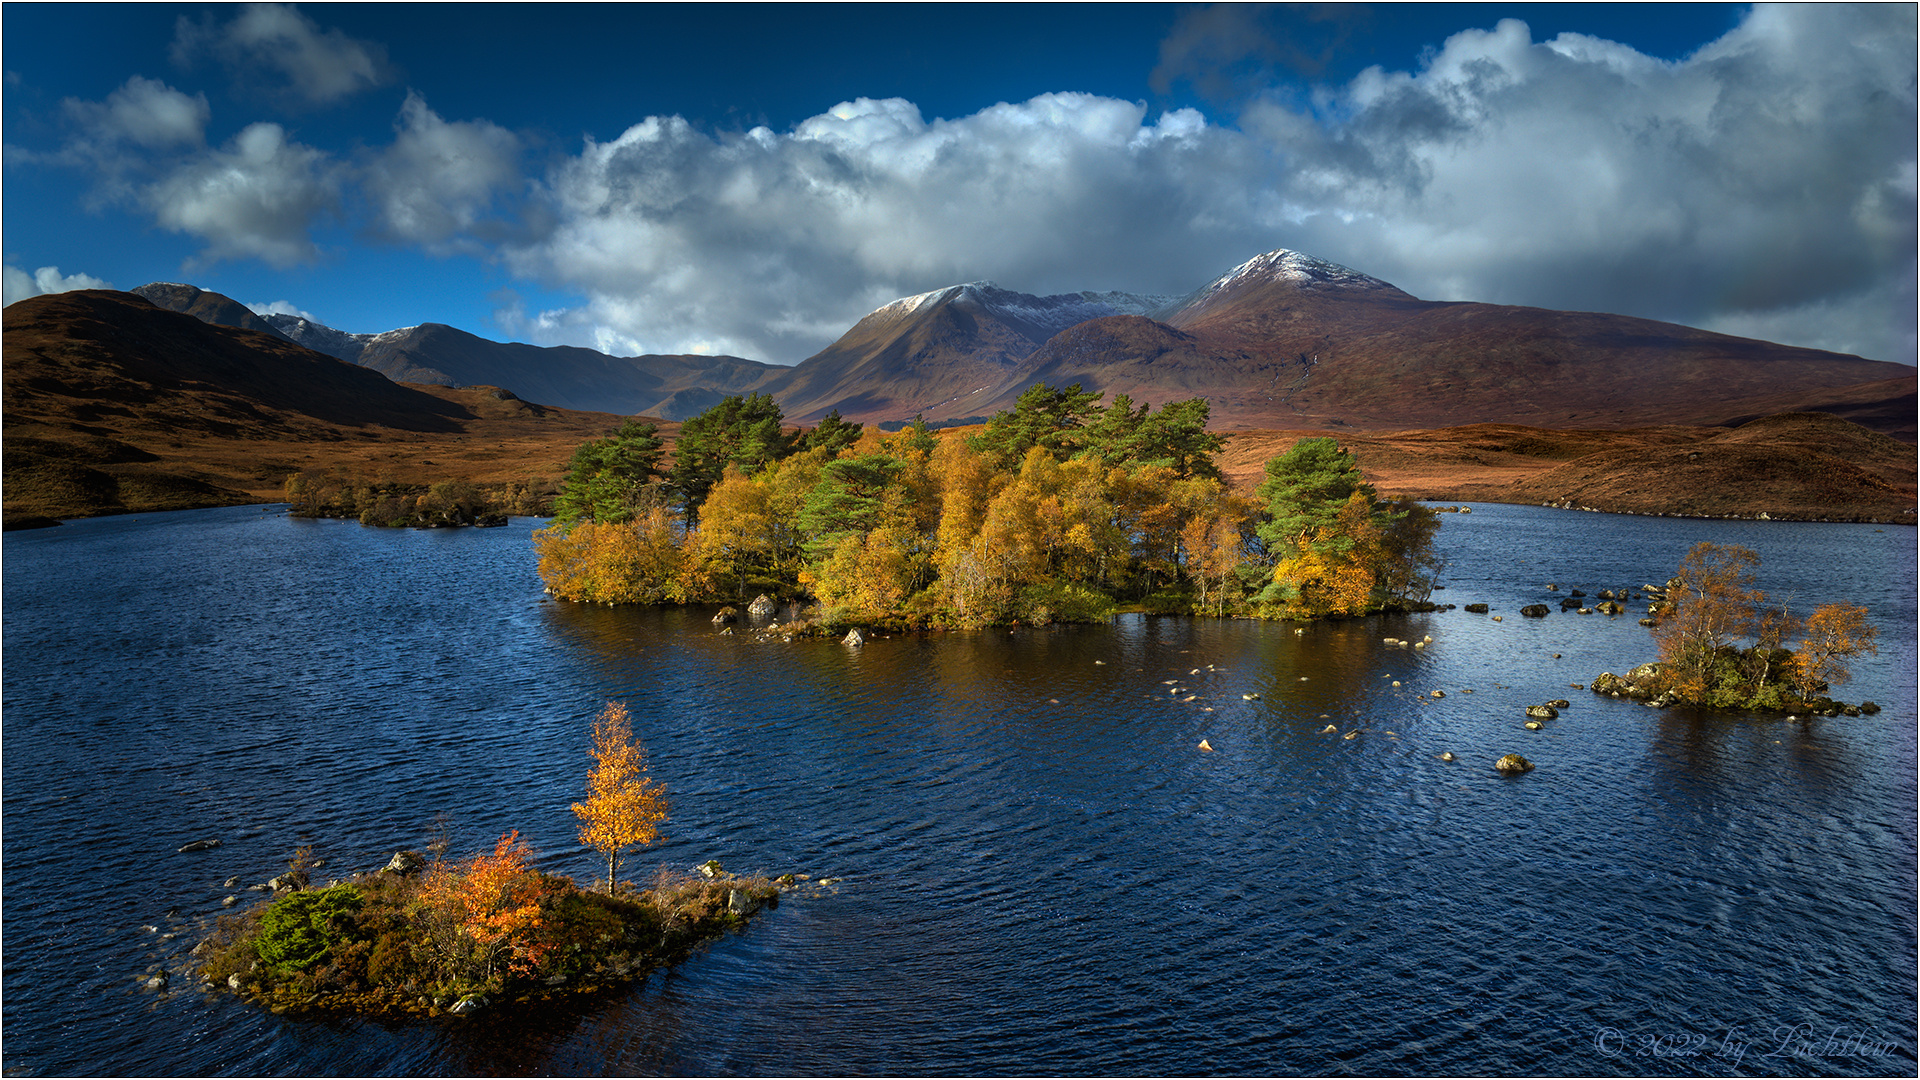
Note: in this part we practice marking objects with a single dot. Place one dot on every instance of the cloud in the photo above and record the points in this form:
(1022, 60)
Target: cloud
(257, 197)
(437, 180)
(280, 307)
(1767, 178)
(1766, 182)
(768, 245)
(145, 112)
(277, 46)
(17, 284)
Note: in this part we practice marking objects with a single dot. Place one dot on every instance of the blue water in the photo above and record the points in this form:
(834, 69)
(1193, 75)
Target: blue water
(1041, 873)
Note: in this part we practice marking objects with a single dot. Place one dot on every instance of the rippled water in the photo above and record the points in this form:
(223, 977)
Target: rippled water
(1041, 873)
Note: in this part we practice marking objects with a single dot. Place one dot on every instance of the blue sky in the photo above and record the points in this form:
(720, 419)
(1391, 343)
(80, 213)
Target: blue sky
(752, 179)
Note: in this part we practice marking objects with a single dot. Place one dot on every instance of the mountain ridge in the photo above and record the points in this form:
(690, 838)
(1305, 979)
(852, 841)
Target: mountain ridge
(1282, 340)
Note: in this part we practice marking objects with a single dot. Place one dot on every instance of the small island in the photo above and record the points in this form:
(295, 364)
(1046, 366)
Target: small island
(1060, 510)
(1702, 614)
(440, 936)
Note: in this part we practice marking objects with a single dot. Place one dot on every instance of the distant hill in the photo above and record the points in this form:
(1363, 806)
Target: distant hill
(113, 405)
(1282, 341)
(664, 386)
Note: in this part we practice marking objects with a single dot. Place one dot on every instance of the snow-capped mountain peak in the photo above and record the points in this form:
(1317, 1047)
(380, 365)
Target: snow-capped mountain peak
(1304, 271)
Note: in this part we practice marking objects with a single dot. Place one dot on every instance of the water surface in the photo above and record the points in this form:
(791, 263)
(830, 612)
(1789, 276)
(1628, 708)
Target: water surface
(1040, 872)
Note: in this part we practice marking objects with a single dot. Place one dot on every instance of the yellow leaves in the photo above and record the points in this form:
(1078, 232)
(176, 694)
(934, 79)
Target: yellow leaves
(636, 562)
(1832, 634)
(623, 808)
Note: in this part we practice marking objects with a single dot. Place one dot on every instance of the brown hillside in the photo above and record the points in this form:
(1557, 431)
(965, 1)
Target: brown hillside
(112, 405)
(1802, 466)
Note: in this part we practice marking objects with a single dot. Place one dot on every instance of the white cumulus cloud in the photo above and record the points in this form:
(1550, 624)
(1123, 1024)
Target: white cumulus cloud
(256, 197)
(17, 284)
(1766, 181)
(439, 179)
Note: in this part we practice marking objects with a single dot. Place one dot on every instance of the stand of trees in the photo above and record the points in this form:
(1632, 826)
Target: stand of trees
(1060, 510)
(1712, 606)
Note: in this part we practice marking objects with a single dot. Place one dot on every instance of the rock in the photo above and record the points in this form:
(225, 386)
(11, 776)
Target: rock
(1647, 622)
(404, 862)
(854, 637)
(1328, 730)
(1535, 611)
(1513, 763)
(1560, 703)
(1576, 593)
(1439, 693)
(710, 869)
(1868, 708)
(1645, 671)
(1448, 756)
(472, 1003)
(726, 615)
(1350, 734)
(762, 606)
(1476, 609)
(1610, 607)
(1543, 712)
(1497, 618)
(1605, 594)
(229, 901)
(200, 845)
(158, 982)
(1204, 745)
(1534, 725)
(1569, 604)
(1553, 586)
(740, 903)
(233, 983)
(1249, 697)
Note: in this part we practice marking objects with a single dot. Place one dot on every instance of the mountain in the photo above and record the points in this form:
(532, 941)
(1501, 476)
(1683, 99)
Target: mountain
(935, 353)
(669, 387)
(208, 307)
(111, 404)
(1289, 341)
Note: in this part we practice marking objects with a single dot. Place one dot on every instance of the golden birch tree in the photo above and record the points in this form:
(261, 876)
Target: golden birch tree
(624, 808)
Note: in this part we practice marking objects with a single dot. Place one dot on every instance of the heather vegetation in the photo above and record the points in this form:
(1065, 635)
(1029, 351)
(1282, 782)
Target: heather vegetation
(1724, 644)
(1062, 509)
(455, 934)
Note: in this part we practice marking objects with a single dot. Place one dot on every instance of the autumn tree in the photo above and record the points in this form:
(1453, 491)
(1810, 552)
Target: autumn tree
(481, 915)
(1713, 604)
(1833, 634)
(624, 808)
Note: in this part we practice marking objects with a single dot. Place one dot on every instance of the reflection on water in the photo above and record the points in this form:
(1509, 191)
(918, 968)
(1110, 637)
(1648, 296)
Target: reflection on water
(1041, 872)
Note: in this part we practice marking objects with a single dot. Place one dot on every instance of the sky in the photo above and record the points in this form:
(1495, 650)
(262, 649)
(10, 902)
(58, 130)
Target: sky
(752, 179)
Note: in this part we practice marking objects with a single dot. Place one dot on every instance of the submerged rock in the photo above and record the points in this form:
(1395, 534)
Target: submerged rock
(200, 845)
